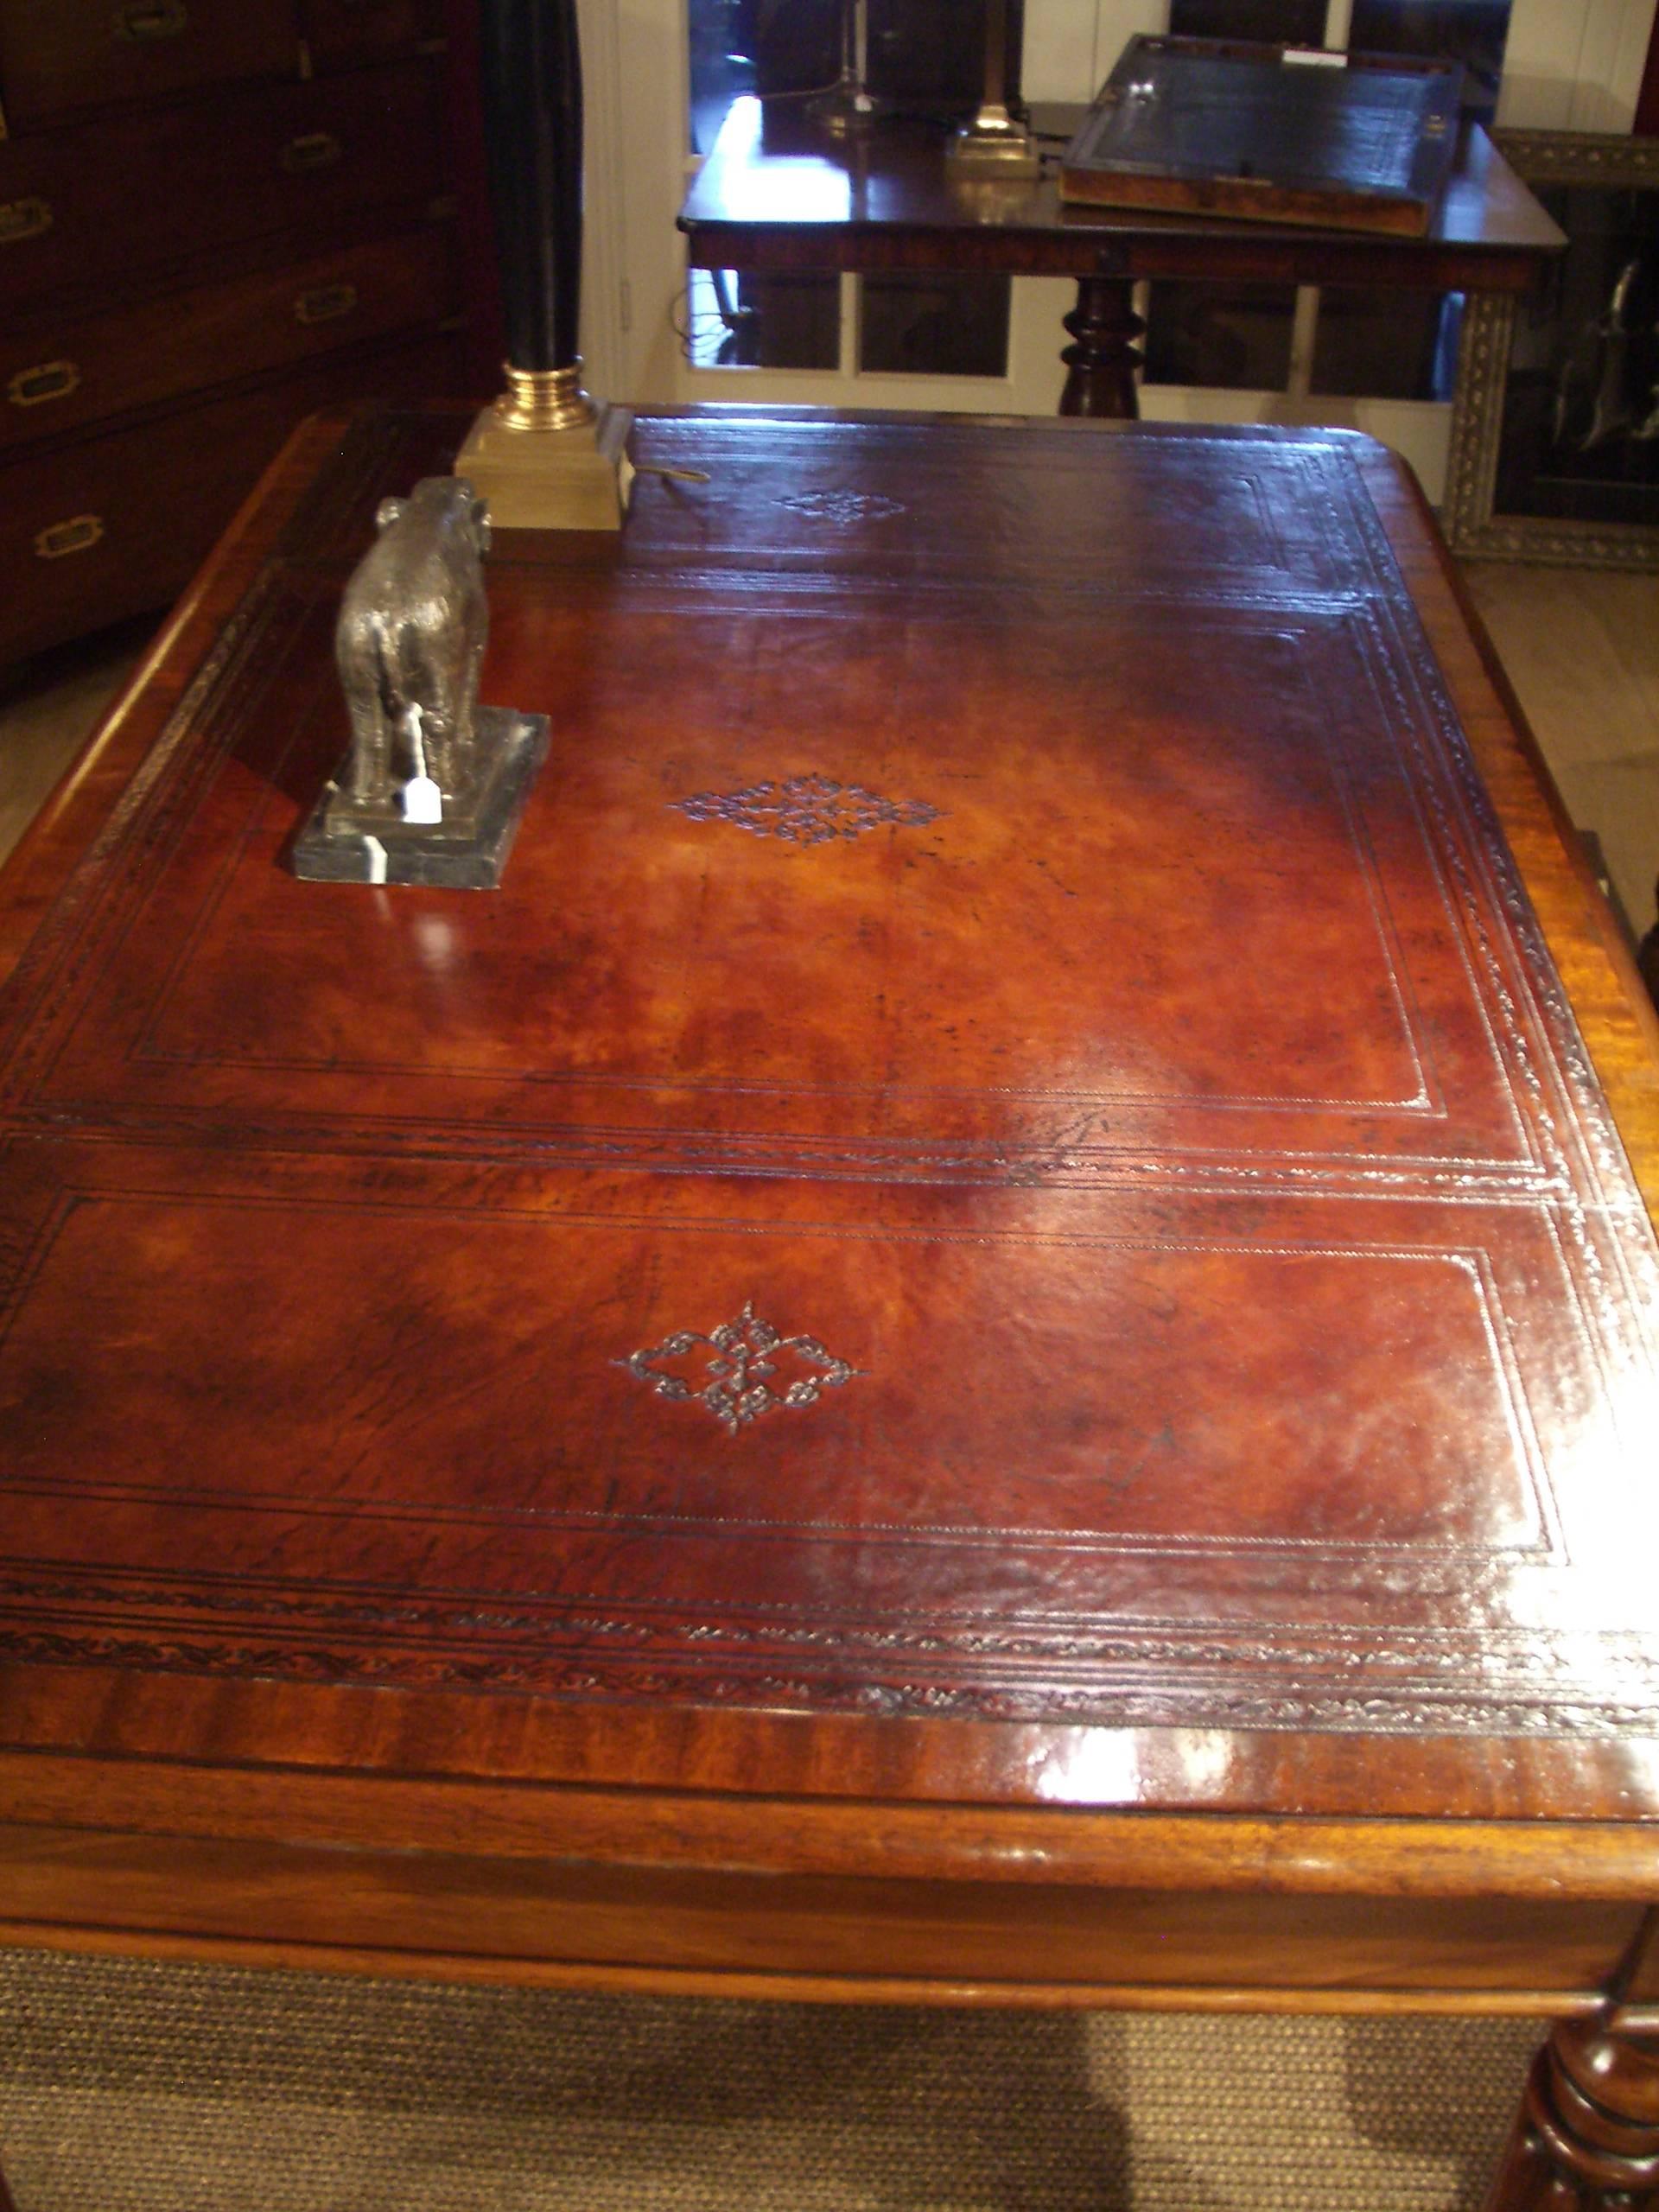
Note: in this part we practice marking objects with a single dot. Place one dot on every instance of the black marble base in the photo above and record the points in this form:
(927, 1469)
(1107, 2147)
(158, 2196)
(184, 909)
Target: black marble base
(467, 851)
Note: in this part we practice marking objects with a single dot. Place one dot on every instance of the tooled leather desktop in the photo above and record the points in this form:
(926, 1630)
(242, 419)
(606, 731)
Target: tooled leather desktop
(1005, 1211)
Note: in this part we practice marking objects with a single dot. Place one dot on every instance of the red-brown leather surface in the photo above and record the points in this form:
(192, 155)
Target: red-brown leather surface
(1007, 1150)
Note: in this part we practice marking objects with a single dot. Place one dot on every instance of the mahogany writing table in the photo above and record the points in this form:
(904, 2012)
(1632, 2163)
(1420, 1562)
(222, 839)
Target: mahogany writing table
(986, 1338)
(780, 194)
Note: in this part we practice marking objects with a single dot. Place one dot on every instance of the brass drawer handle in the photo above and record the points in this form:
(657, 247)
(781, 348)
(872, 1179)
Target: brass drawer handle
(23, 219)
(46, 380)
(145, 22)
(72, 536)
(315, 150)
(326, 304)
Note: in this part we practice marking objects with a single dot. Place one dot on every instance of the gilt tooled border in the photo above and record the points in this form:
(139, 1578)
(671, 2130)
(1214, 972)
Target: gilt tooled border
(1441, 1656)
(1597, 1203)
(1148, 1677)
(1068, 1162)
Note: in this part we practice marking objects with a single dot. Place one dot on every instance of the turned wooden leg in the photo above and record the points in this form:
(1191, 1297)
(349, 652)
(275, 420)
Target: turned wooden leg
(1105, 354)
(1587, 2139)
(1103, 360)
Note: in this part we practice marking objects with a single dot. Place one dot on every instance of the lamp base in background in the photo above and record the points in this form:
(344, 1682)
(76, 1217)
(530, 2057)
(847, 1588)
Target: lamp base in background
(993, 145)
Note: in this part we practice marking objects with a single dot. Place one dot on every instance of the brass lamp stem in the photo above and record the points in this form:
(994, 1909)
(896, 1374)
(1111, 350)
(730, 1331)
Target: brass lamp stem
(993, 144)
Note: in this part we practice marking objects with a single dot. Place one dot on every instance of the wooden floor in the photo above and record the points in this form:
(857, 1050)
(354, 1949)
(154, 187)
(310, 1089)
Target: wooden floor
(1581, 646)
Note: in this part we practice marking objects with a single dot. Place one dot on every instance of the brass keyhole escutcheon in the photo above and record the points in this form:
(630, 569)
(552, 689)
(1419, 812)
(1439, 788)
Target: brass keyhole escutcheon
(23, 219)
(48, 380)
(75, 535)
(148, 21)
(317, 150)
(327, 304)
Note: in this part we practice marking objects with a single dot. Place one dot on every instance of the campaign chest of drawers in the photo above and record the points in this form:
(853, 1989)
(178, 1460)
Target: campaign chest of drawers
(215, 217)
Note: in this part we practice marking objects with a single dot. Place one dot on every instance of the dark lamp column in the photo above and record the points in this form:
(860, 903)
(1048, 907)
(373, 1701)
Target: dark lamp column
(530, 57)
(543, 456)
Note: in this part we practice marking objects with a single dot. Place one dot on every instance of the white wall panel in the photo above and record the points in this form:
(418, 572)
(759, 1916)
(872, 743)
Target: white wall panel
(1059, 59)
(1116, 22)
(1573, 67)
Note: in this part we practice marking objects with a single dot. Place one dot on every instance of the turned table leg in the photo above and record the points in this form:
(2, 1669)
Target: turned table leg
(1105, 357)
(1587, 2139)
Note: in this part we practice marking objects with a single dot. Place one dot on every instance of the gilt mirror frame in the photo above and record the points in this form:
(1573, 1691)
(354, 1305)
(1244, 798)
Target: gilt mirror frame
(1475, 523)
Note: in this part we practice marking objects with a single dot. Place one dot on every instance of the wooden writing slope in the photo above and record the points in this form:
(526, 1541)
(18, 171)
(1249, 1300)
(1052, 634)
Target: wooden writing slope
(1269, 133)
(986, 1338)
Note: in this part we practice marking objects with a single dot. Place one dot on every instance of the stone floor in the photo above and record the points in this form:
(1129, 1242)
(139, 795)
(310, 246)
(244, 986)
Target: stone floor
(1581, 648)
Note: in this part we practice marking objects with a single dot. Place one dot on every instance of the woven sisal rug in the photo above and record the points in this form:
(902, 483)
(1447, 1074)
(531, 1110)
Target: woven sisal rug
(129, 2086)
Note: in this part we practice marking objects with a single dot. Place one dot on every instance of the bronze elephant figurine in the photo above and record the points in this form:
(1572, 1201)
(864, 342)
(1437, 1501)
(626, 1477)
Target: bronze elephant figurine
(412, 629)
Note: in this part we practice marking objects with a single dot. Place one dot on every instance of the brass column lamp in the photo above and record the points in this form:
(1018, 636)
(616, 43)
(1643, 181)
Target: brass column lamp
(993, 144)
(545, 455)
(847, 106)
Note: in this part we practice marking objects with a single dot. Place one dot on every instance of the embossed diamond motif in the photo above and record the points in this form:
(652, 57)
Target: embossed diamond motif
(753, 1370)
(843, 508)
(806, 810)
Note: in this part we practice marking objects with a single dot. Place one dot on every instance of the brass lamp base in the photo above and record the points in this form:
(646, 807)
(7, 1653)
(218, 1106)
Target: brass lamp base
(546, 456)
(844, 112)
(993, 145)
(543, 400)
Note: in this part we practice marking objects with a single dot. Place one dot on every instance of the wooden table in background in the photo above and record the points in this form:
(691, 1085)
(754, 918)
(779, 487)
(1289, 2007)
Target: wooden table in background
(985, 1340)
(780, 196)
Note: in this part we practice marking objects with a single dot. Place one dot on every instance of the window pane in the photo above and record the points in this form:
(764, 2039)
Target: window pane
(1236, 336)
(925, 57)
(1470, 31)
(935, 326)
(1386, 346)
(722, 64)
(1288, 22)
(736, 320)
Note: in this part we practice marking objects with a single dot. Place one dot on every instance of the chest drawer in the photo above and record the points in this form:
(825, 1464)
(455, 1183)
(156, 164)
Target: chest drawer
(96, 531)
(254, 160)
(339, 33)
(57, 376)
(57, 56)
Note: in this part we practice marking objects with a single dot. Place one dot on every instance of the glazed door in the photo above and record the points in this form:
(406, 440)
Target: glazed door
(985, 345)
